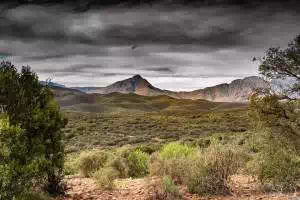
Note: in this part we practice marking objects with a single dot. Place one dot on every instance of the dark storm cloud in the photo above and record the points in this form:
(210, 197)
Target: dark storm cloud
(169, 33)
(78, 40)
(161, 69)
(211, 27)
(84, 5)
(74, 68)
(60, 26)
(33, 23)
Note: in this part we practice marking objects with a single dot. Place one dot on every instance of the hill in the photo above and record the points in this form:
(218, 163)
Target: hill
(74, 100)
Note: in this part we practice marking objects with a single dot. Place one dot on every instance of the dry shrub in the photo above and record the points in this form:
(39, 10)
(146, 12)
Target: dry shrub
(105, 177)
(210, 170)
(120, 164)
(165, 189)
(169, 188)
(90, 162)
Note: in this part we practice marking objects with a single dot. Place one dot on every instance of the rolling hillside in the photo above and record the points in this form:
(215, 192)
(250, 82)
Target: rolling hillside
(131, 102)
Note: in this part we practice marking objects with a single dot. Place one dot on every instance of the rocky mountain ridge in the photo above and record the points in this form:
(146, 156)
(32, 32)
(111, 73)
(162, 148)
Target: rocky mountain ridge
(236, 91)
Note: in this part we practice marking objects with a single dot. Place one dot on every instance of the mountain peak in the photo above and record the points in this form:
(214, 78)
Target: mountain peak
(137, 76)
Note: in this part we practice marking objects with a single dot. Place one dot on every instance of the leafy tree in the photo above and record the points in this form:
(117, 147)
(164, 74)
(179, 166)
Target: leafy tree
(280, 112)
(30, 106)
(282, 118)
(277, 119)
(282, 64)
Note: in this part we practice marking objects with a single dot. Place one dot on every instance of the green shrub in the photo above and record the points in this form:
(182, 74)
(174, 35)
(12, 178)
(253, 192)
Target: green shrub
(138, 163)
(89, 162)
(175, 150)
(210, 170)
(71, 165)
(105, 177)
(275, 167)
(172, 161)
(169, 188)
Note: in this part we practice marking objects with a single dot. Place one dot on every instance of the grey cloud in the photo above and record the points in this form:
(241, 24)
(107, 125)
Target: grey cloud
(31, 23)
(165, 33)
(208, 27)
(187, 42)
(161, 69)
(73, 69)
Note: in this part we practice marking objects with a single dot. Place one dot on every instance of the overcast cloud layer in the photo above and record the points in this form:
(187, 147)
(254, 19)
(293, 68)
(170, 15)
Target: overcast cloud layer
(182, 48)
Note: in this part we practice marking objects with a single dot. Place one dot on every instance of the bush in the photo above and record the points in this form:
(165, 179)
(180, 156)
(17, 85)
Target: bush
(120, 161)
(169, 188)
(71, 165)
(121, 165)
(210, 170)
(175, 150)
(138, 163)
(172, 161)
(105, 177)
(165, 189)
(90, 162)
(275, 167)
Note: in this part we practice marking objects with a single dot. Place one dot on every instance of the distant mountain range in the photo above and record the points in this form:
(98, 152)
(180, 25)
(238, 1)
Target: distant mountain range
(52, 84)
(236, 91)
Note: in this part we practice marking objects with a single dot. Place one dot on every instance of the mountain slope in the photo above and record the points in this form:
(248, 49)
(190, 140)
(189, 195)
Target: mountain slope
(135, 84)
(236, 91)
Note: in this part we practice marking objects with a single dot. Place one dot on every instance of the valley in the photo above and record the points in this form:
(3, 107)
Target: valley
(122, 121)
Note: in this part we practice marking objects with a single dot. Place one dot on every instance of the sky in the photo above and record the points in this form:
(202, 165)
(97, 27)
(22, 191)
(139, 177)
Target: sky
(173, 44)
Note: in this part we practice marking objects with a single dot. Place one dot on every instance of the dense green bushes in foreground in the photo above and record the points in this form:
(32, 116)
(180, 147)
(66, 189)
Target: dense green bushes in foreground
(31, 137)
(202, 170)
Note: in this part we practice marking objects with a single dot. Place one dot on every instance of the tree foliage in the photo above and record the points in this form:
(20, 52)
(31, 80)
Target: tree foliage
(282, 117)
(34, 142)
(281, 64)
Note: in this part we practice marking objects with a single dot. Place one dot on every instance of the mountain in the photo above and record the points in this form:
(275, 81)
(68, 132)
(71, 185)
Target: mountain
(136, 94)
(135, 84)
(282, 86)
(52, 84)
(86, 89)
(236, 91)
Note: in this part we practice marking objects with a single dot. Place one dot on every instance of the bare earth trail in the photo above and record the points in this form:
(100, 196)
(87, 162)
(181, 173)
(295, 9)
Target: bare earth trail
(142, 189)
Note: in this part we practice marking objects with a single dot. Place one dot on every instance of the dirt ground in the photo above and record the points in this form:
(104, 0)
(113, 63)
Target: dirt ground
(243, 188)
